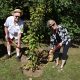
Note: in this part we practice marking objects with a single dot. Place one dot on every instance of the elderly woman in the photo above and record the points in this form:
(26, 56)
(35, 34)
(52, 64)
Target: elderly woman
(13, 28)
(59, 38)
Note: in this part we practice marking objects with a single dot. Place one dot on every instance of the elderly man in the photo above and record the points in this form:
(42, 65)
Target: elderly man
(13, 27)
(59, 38)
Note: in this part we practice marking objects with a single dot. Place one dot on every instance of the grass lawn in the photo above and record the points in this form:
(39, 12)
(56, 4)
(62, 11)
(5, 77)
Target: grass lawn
(9, 69)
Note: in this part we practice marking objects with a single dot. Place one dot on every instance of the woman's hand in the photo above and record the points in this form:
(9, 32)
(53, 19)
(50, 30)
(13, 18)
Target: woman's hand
(60, 44)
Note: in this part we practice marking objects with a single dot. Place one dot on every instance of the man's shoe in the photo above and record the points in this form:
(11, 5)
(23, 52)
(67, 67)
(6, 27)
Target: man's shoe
(18, 58)
(8, 56)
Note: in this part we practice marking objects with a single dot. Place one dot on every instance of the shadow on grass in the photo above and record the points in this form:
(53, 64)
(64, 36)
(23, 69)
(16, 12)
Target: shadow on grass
(74, 46)
(3, 50)
(23, 49)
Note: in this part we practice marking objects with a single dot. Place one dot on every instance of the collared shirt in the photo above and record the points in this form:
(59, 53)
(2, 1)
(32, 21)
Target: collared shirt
(61, 35)
(13, 29)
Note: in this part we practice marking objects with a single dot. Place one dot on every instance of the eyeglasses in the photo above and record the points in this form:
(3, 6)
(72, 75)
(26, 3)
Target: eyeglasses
(17, 16)
(50, 26)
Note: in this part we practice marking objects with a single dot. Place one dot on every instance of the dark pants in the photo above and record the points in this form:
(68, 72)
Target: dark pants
(63, 55)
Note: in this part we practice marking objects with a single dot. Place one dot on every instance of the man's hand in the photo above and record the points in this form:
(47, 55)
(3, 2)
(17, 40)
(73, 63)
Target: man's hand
(18, 46)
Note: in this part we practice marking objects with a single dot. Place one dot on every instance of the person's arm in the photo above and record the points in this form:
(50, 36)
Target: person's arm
(19, 40)
(6, 30)
(6, 33)
(52, 43)
(6, 25)
(20, 32)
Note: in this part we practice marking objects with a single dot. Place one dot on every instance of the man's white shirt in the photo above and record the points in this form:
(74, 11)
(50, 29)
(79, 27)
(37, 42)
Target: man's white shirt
(13, 29)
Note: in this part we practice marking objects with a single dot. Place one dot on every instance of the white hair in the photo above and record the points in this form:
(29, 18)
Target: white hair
(50, 22)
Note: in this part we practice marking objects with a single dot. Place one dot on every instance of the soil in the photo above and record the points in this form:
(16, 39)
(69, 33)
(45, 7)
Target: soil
(30, 73)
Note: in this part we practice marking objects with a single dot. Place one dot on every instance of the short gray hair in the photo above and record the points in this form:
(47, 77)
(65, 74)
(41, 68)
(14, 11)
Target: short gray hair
(48, 22)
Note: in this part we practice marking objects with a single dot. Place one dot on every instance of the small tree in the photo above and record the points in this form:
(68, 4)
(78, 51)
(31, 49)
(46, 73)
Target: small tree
(32, 37)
